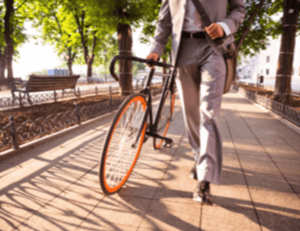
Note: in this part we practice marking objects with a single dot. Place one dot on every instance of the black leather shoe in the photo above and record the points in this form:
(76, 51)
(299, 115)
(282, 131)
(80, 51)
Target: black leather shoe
(202, 193)
(193, 173)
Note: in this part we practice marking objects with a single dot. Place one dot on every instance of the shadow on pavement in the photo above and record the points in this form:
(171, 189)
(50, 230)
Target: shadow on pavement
(273, 216)
(55, 192)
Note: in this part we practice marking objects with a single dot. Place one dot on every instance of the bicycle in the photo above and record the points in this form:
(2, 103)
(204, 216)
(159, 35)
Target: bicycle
(132, 123)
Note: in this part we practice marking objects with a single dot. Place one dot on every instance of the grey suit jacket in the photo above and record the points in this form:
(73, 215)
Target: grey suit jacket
(171, 17)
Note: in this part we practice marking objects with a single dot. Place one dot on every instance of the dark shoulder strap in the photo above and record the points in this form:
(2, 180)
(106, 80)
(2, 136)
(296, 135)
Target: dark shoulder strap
(205, 19)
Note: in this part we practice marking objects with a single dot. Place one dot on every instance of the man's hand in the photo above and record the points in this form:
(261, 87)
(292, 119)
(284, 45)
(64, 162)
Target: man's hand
(153, 56)
(214, 31)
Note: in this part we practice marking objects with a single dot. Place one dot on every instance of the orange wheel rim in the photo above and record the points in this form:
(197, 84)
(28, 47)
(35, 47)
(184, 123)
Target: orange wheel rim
(120, 184)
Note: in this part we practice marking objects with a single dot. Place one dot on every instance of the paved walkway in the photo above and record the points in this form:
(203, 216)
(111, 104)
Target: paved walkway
(55, 186)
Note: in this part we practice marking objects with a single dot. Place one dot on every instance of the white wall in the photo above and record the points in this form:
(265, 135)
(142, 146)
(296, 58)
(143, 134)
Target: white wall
(258, 65)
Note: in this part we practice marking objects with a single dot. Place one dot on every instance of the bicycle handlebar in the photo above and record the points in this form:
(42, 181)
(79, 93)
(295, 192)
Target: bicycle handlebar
(150, 62)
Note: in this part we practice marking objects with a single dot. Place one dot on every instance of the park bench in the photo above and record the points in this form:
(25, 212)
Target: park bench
(5, 82)
(38, 83)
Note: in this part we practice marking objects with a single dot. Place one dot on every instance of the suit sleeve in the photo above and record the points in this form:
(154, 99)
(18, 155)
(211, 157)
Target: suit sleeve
(163, 29)
(235, 17)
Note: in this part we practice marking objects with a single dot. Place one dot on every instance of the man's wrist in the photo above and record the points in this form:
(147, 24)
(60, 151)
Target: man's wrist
(225, 28)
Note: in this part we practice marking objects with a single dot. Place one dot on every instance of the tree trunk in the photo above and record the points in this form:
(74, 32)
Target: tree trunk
(70, 68)
(2, 63)
(7, 33)
(70, 59)
(282, 91)
(125, 67)
(89, 65)
(164, 69)
(90, 59)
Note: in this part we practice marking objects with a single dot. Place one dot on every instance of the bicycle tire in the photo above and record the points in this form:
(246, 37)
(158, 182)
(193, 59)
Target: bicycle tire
(164, 118)
(119, 154)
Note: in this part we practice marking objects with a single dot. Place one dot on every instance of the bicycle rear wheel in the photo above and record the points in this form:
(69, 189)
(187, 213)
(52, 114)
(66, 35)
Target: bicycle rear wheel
(164, 118)
(121, 147)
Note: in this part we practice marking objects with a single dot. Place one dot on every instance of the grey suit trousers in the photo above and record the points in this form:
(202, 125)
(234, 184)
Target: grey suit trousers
(200, 82)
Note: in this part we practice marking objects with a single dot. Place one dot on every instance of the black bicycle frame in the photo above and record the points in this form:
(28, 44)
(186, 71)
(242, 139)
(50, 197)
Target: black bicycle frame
(169, 84)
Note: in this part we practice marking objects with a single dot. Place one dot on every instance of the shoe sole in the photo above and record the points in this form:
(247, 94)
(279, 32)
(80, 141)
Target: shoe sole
(200, 200)
(193, 176)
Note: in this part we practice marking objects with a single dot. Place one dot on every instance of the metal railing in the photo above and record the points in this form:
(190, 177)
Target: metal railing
(13, 135)
(38, 98)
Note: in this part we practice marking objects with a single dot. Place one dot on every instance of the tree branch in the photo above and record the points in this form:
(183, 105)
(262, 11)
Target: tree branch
(80, 28)
(20, 5)
(94, 45)
(246, 29)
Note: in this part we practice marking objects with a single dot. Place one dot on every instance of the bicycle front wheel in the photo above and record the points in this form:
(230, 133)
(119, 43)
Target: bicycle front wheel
(164, 118)
(123, 144)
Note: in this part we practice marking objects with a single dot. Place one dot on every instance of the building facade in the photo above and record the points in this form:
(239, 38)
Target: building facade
(265, 63)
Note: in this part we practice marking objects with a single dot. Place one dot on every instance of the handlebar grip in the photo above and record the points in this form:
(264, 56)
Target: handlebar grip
(112, 68)
(150, 62)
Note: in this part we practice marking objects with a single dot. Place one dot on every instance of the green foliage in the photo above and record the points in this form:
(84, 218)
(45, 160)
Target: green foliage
(149, 29)
(136, 66)
(57, 25)
(2, 38)
(17, 21)
(108, 14)
(266, 25)
(108, 50)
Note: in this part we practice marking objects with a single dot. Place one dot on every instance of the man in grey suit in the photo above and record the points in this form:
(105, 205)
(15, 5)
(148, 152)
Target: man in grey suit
(201, 76)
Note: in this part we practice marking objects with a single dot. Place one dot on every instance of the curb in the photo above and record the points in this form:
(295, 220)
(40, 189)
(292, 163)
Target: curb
(276, 116)
(43, 140)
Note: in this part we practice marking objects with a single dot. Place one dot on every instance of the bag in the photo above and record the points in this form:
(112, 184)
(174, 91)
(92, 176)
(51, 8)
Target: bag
(228, 51)
(231, 62)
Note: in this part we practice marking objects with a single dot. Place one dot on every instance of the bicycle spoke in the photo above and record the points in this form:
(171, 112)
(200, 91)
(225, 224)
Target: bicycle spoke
(121, 154)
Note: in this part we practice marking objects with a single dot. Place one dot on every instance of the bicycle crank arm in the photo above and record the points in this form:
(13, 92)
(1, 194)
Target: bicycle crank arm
(169, 142)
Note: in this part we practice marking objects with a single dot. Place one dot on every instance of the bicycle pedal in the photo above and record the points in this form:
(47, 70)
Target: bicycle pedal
(168, 144)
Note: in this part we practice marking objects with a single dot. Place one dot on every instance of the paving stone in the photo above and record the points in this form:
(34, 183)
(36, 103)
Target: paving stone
(142, 184)
(232, 215)
(9, 222)
(232, 173)
(269, 127)
(237, 127)
(278, 148)
(13, 214)
(100, 225)
(224, 195)
(119, 210)
(51, 222)
(65, 211)
(149, 229)
(222, 124)
(261, 173)
(277, 210)
(169, 215)
(176, 184)
(20, 203)
(248, 147)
